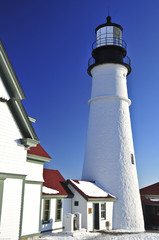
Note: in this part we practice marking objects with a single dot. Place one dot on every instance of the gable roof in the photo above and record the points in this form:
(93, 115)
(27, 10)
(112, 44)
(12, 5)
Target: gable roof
(38, 153)
(150, 190)
(16, 94)
(90, 190)
(55, 181)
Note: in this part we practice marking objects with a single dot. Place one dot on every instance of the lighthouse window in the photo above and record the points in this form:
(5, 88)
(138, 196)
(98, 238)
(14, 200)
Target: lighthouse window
(132, 159)
(103, 211)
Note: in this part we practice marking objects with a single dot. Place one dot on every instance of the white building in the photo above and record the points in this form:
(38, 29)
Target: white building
(94, 204)
(20, 170)
(109, 154)
(55, 201)
(61, 198)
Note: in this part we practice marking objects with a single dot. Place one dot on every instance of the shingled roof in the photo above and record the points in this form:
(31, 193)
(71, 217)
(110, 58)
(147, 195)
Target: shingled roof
(53, 180)
(38, 151)
(150, 190)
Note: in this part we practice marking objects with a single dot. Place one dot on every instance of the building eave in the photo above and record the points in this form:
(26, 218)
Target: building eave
(8, 75)
(49, 196)
(150, 196)
(23, 121)
(101, 199)
(32, 157)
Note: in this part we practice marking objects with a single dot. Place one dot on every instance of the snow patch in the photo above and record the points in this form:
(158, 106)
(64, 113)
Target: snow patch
(49, 190)
(154, 199)
(90, 189)
(102, 236)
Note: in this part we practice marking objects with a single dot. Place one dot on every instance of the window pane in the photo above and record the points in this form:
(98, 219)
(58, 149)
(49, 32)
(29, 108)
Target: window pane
(46, 212)
(103, 211)
(58, 209)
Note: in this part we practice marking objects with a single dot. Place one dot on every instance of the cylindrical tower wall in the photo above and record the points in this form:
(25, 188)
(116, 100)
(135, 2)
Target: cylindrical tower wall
(109, 147)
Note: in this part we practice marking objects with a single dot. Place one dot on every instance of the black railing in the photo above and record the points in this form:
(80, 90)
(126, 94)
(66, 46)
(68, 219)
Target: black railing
(106, 40)
(126, 60)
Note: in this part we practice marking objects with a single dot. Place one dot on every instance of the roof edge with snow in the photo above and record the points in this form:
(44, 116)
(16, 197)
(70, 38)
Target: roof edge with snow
(109, 197)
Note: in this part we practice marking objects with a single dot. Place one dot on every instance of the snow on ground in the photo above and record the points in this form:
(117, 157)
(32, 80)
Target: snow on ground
(102, 236)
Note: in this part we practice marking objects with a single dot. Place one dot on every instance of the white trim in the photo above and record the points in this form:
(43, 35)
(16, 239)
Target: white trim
(38, 158)
(109, 98)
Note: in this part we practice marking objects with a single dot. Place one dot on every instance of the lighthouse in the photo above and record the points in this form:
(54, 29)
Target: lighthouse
(109, 155)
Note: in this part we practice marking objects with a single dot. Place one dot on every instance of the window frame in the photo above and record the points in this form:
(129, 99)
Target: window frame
(46, 210)
(132, 159)
(103, 211)
(58, 209)
(76, 203)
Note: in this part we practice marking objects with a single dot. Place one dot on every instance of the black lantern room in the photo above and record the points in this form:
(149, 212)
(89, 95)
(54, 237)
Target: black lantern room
(109, 46)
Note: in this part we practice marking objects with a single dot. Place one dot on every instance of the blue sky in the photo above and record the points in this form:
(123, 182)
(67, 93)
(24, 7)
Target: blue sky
(49, 43)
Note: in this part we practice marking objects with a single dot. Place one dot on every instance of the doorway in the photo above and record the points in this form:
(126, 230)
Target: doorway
(96, 216)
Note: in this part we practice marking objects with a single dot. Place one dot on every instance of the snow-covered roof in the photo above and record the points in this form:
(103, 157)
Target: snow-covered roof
(54, 184)
(49, 190)
(90, 190)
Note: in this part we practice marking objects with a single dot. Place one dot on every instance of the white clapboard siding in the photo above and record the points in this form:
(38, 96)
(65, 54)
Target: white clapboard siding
(34, 171)
(12, 153)
(11, 207)
(3, 92)
(31, 210)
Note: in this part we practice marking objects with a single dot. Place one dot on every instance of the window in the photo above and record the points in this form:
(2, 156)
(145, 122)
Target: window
(46, 212)
(132, 159)
(58, 209)
(103, 211)
(76, 203)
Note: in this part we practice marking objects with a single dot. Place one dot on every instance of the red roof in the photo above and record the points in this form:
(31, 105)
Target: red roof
(54, 180)
(38, 151)
(86, 193)
(150, 190)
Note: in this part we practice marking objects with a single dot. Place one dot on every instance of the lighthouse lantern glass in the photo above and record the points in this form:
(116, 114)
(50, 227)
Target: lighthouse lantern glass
(108, 35)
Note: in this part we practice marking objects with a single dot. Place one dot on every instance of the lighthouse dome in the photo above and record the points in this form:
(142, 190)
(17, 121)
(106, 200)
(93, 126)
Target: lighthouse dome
(109, 47)
(109, 34)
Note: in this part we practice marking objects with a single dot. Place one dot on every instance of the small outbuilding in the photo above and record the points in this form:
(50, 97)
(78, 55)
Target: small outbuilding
(150, 204)
(94, 204)
(54, 207)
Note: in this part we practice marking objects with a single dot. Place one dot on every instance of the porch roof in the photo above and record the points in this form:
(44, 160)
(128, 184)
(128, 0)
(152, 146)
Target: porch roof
(90, 190)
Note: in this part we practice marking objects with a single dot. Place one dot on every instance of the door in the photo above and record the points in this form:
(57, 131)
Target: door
(151, 216)
(96, 216)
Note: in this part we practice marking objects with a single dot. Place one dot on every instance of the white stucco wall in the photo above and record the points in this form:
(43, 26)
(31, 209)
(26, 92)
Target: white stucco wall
(90, 223)
(11, 207)
(82, 208)
(12, 153)
(67, 205)
(102, 222)
(53, 224)
(110, 145)
(109, 216)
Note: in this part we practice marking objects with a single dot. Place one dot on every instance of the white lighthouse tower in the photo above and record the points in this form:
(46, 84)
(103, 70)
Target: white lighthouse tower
(109, 156)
